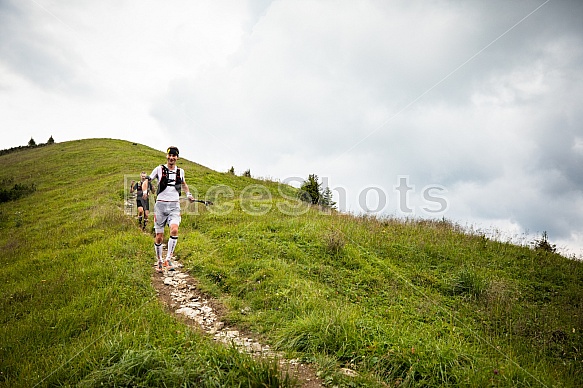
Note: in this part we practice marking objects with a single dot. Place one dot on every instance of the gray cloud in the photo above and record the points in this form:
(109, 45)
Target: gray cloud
(481, 98)
(33, 53)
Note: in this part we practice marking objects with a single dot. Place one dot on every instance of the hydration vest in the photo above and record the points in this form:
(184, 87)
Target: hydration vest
(164, 182)
(138, 188)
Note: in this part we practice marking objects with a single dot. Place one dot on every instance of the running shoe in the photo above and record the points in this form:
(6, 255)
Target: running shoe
(168, 265)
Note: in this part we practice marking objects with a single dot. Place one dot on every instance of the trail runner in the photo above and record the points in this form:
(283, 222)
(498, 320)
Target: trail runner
(171, 182)
(142, 204)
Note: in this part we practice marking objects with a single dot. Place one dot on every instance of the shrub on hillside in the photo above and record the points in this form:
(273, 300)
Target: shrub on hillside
(544, 245)
(15, 192)
(312, 192)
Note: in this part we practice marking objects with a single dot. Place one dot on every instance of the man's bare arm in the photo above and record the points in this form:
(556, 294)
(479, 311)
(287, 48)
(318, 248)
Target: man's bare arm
(145, 187)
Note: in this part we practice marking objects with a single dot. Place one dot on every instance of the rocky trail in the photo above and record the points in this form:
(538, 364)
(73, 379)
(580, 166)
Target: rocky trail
(178, 291)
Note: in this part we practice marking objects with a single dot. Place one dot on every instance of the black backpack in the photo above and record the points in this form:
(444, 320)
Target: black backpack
(164, 180)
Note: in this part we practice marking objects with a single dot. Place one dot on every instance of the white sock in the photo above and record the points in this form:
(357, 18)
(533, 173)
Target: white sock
(158, 249)
(171, 245)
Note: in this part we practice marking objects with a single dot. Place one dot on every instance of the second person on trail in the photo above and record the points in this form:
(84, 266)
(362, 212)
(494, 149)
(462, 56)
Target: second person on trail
(171, 182)
(143, 204)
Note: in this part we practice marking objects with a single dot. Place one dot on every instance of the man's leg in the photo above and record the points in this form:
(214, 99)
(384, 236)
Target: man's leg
(172, 241)
(140, 215)
(173, 220)
(158, 248)
(146, 214)
(159, 223)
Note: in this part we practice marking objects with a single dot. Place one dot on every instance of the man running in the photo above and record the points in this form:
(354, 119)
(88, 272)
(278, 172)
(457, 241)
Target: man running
(167, 208)
(143, 204)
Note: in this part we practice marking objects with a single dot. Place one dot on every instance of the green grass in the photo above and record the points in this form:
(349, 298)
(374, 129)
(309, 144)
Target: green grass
(408, 302)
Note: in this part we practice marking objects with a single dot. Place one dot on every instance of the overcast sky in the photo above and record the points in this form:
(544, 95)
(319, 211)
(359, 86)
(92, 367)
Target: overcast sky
(468, 110)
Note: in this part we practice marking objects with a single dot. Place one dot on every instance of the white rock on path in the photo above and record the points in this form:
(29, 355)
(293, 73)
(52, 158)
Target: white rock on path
(198, 310)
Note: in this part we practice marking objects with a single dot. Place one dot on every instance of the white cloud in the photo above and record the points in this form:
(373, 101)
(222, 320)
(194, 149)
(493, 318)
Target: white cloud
(482, 99)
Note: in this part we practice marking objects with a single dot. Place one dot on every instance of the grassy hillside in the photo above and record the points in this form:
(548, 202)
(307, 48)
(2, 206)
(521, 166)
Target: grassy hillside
(408, 303)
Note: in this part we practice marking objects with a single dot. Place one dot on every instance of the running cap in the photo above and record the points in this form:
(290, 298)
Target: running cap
(172, 151)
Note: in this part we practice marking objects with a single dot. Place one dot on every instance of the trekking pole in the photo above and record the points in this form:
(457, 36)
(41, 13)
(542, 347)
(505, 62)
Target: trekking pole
(206, 203)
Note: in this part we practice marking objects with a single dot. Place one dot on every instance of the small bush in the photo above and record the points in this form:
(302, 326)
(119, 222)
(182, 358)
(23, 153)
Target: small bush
(544, 245)
(15, 192)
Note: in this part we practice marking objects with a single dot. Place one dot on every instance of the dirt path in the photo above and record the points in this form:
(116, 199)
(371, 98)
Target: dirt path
(178, 291)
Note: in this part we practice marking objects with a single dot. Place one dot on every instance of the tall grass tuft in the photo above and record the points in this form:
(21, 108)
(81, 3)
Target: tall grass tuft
(468, 283)
(334, 242)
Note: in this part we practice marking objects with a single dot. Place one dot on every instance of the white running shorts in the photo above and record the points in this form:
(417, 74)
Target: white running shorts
(166, 213)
